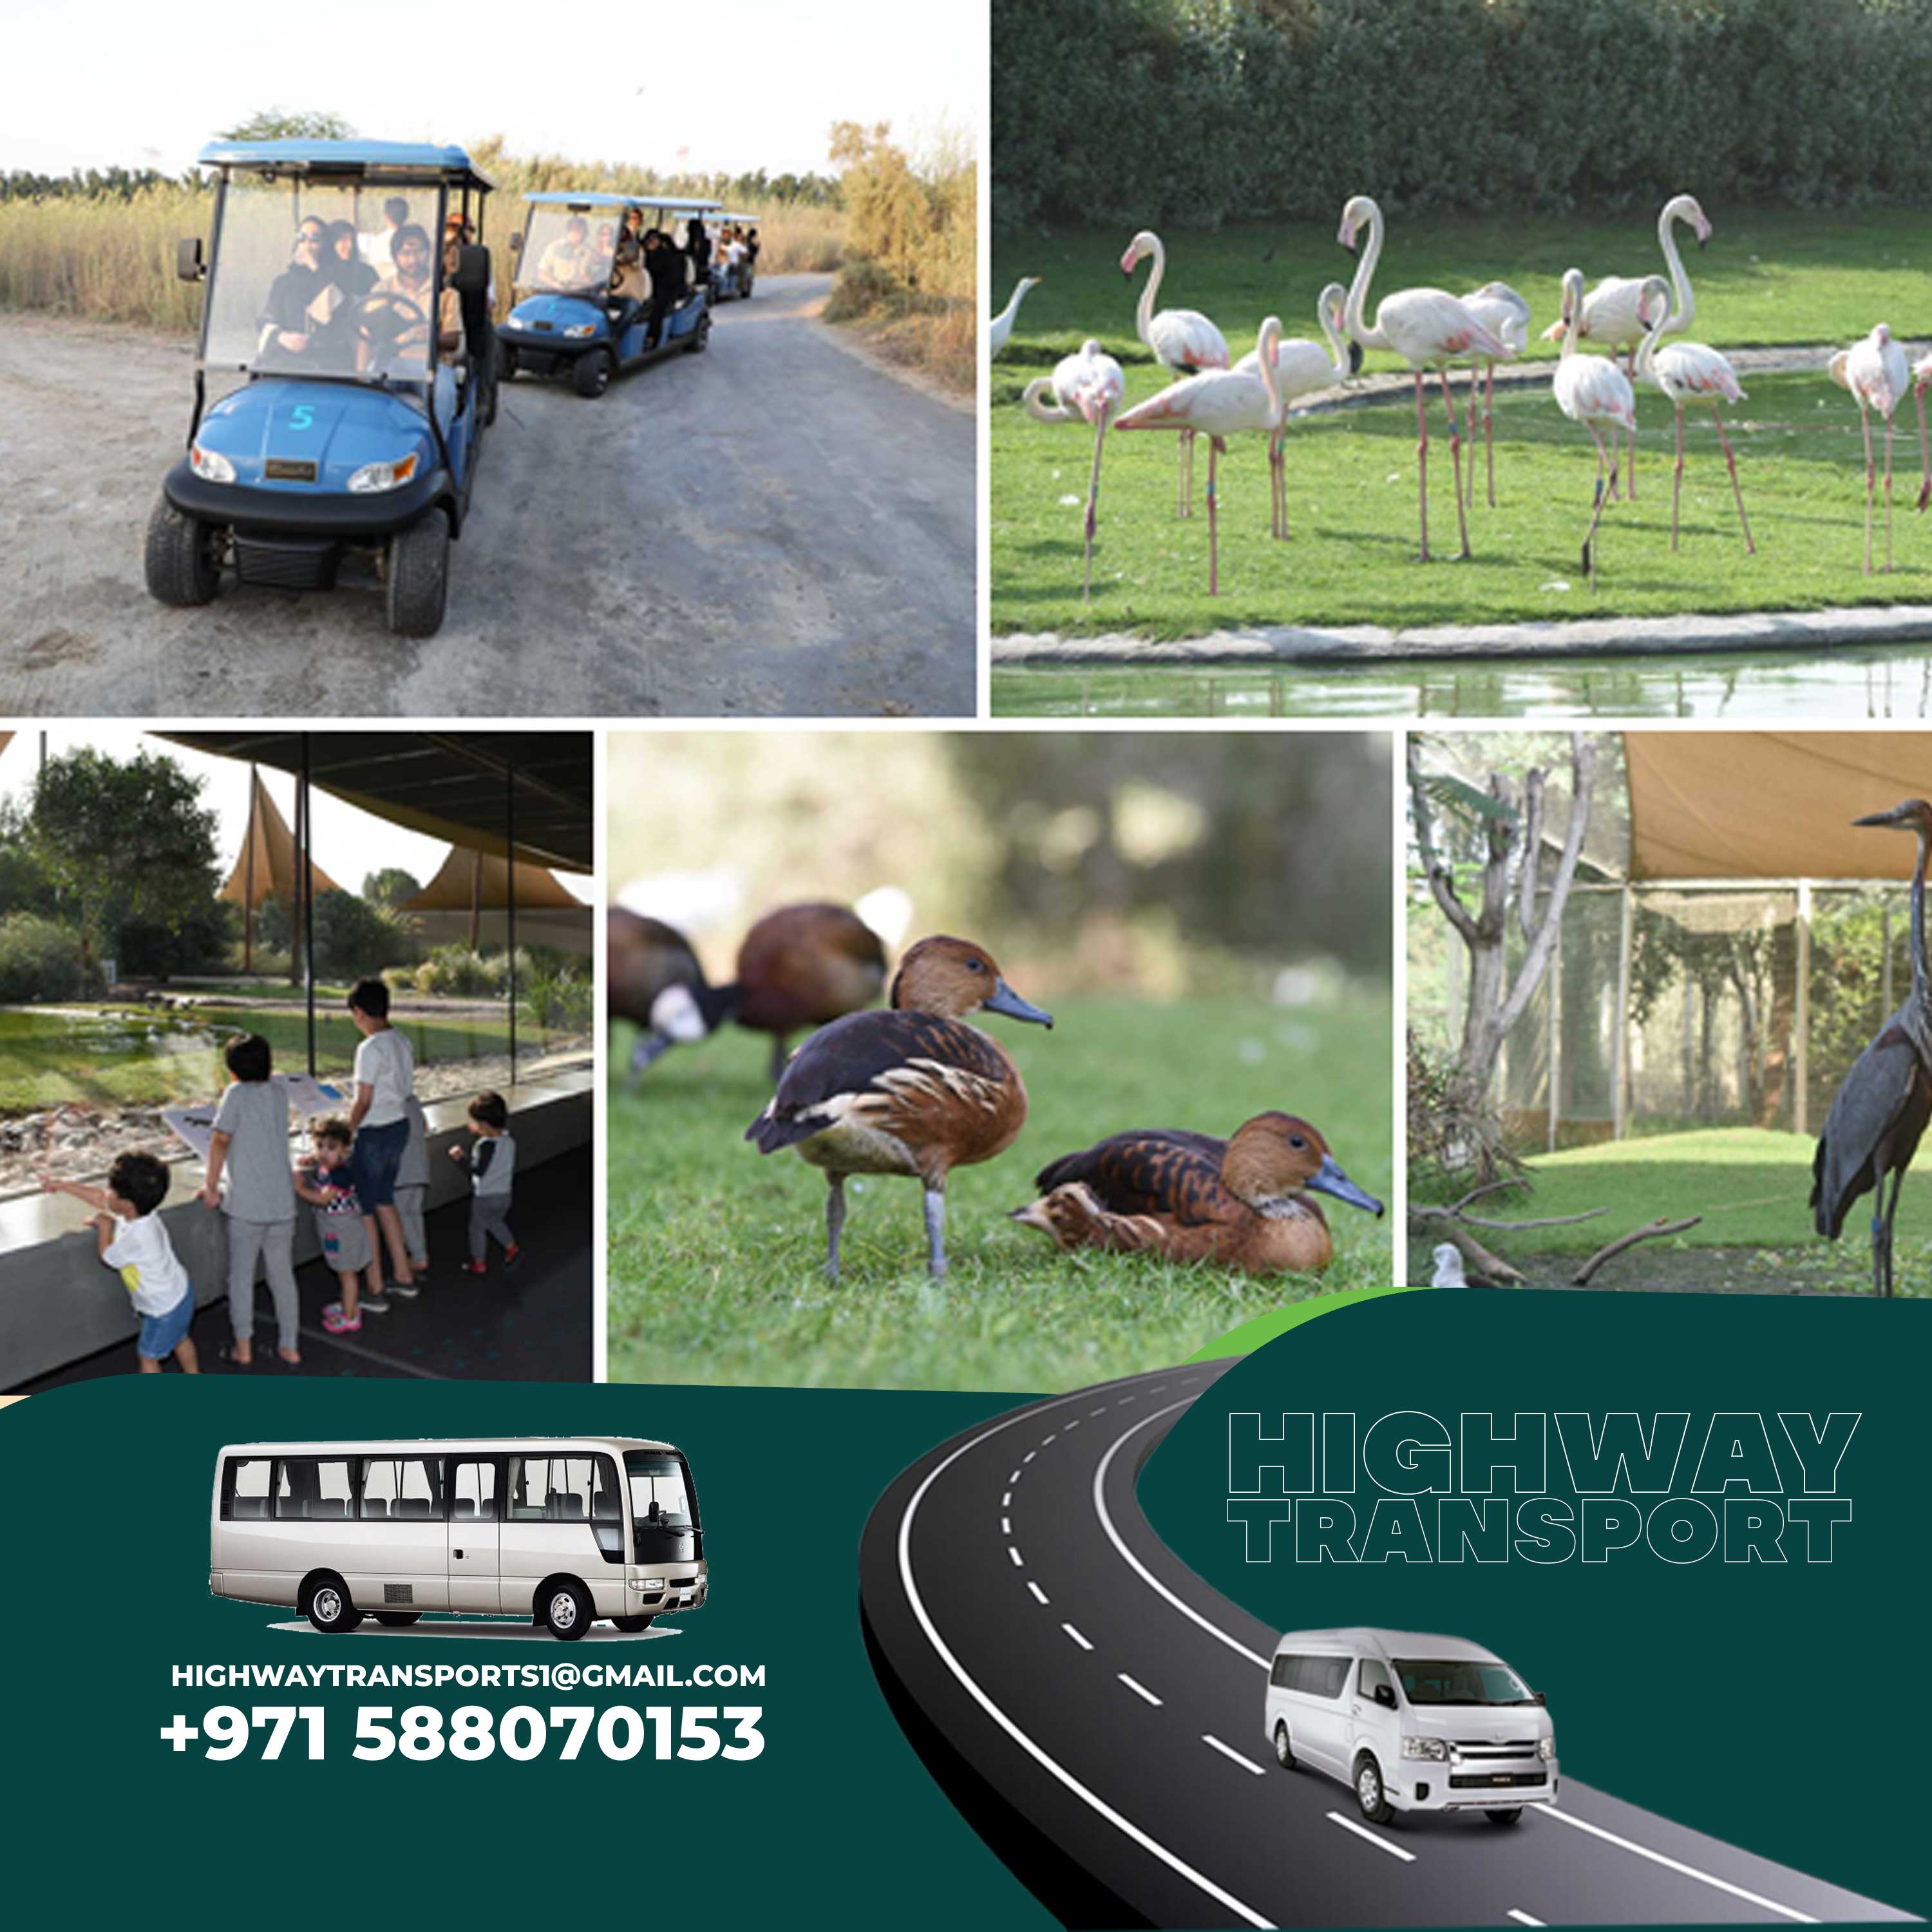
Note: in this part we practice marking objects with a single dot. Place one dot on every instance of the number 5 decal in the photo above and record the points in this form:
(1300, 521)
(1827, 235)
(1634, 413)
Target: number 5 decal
(302, 416)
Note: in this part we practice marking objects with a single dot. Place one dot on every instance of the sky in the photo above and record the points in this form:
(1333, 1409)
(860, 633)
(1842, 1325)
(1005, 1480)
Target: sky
(349, 843)
(734, 86)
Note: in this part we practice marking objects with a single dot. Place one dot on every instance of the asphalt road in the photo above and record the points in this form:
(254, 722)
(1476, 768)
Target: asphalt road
(773, 528)
(1020, 1611)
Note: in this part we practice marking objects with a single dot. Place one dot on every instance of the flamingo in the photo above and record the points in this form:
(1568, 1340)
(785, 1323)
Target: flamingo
(1875, 372)
(1001, 326)
(1217, 404)
(1592, 390)
(1304, 368)
(1429, 328)
(1087, 387)
(1183, 339)
(1689, 372)
(1921, 375)
(1504, 312)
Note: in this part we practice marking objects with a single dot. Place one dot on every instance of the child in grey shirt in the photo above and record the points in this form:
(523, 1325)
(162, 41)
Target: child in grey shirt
(490, 1162)
(412, 1193)
(249, 1152)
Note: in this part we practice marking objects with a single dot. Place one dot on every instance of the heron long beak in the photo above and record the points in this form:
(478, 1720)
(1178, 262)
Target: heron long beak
(1898, 815)
(1004, 1000)
(1328, 1178)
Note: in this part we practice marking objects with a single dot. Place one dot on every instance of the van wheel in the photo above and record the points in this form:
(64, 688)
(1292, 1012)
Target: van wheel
(418, 586)
(1512, 1816)
(568, 1610)
(398, 1619)
(1369, 1792)
(631, 1625)
(328, 1605)
(591, 374)
(183, 557)
(1284, 1752)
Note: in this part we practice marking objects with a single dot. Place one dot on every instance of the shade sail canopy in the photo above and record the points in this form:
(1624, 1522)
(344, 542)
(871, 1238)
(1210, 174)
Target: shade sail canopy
(468, 903)
(447, 785)
(267, 867)
(1771, 805)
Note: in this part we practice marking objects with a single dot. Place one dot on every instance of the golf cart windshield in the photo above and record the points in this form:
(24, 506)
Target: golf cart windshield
(324, 279)
(567, 251)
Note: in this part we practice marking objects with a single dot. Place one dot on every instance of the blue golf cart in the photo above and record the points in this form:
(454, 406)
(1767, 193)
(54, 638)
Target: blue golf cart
(356, 372)
(731, 280)
(582, 290)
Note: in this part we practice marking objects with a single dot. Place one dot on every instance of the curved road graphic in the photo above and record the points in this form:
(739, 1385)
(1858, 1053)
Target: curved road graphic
(1105, 1707)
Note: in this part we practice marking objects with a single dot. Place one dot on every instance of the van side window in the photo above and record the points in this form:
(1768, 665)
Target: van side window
(1334, 1675)
(1282, 1676)
(402, 1487)
(1374, 1677)
(311, 1489)
(473, 1493)
(244, 1488)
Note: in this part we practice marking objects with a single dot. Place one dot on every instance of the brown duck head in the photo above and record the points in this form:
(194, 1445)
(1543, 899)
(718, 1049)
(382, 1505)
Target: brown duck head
(1274, 1156)
(953, 977)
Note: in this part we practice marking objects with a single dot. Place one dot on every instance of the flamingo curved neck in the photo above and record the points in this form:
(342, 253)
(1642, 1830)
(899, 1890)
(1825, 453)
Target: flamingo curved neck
(1338, 346)
(1358, 289)
(1573, 300)
(1270, 340)
(1144, 315)
(1033, 399)
(1683, 303)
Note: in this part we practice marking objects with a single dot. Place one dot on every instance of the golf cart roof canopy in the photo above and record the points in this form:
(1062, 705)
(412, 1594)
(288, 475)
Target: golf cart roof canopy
(670, 204)
(725, 214)
(367, 159)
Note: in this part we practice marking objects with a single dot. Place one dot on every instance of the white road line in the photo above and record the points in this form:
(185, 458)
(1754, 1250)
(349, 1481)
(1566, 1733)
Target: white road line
(1006, 1525)
(1076, 1637)
(1676, 1865)
(1028, 1457)
(1097, 1412)
(1019, 1562)
(1045, 1439)
(1016, 1475)
(1363, 1831)
(1039, 1596)
(1123, 1401)
(1228, 1751)
(1075, 1424)
(1524, 1918)
(1122, 1824)
(1147, 1576)
(1007, 1501)
(1139, 1690)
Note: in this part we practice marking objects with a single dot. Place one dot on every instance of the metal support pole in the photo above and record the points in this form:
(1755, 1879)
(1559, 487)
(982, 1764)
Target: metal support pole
(510, 854)
(1620, 1037)
(248, 882)
(305, 861)
(1553, 980)
(1801, 1024)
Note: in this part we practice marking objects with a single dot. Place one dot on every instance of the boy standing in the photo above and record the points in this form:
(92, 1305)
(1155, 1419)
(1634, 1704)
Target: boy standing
(386, 1076)
(132, 1239)
(249, 1150)
(412, 1187)
(490, 1163)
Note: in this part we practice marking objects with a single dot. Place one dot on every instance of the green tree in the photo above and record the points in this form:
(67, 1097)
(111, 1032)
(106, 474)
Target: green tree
(285, 124)
(353, 938)
(390, 886)
(124, 843)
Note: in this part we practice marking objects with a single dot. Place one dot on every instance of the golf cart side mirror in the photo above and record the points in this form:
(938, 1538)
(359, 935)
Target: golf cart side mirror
(1539, 1696)
(473, 269)
(1385, 1696)
(188, 258)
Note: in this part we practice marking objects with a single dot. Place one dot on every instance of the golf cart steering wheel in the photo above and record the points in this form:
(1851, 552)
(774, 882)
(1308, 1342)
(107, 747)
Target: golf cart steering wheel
(383, 320)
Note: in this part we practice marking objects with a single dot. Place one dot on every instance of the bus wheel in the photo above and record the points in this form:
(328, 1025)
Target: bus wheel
(328, 1605)
(631, 1625)
(567, 1609)
(398, 1619)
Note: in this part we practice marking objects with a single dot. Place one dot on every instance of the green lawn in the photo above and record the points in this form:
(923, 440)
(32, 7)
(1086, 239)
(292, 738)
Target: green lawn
(1766, 278)
(716, 1253)
(1751, 1186)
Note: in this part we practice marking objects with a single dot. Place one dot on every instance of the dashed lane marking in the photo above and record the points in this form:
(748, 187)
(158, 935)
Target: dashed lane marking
(1228, 1751)
(1139, 1690)
(1374, 1838)
(1076, 1637)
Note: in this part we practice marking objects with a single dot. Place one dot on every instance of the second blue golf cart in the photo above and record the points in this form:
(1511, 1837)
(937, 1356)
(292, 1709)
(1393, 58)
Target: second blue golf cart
(587, 299)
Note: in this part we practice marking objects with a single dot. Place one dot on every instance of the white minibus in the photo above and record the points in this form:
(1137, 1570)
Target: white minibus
(1411, 1723)
(561, 1529)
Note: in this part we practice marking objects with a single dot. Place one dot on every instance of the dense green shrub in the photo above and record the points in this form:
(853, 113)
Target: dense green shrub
(456, 972)
(38, 960)
(1193, 112)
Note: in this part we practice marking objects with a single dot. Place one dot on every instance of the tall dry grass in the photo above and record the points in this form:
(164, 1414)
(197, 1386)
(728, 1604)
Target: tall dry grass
(113, 259)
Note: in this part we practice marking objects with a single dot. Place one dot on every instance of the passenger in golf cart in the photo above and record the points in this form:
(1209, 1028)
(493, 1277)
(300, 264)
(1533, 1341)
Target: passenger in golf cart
(345, 377)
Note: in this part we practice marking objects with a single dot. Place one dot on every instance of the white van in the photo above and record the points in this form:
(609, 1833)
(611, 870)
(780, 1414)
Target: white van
(563, 1530)
(1412, 1722)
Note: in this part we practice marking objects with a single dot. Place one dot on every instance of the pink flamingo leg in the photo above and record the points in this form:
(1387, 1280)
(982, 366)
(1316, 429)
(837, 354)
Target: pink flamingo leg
(1865, 423)
(1925, 450)
(1422, 460)
(1455, 456)
(1751, 548)
(1489, 439)
(1094, 506)
(1887, 496)
(1677, 487)
(1605, 459)
(1278, 481)
(1213, 535)
(1185, 507)
(1632, 492)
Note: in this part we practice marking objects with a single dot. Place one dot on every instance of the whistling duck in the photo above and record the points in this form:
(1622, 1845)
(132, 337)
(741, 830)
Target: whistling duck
(803, 965)
(910, 1091)
(1191, 1197)
(653, 976)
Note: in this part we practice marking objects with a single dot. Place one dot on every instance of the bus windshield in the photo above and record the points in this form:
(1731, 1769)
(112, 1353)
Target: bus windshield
(660, 1497)
(1435, 1681)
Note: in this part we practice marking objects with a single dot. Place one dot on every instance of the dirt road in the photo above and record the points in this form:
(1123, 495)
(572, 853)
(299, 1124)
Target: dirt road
(773, 528)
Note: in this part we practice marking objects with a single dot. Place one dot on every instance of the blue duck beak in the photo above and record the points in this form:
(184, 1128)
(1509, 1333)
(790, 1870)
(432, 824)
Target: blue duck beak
(1328, 1178)
(1004, 1000)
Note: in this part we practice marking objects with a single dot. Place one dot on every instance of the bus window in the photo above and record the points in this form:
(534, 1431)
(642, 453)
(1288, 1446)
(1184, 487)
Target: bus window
(402, 1487)
(309, 1488)
(473, 1493)
(558, 1489)
(244, 1488)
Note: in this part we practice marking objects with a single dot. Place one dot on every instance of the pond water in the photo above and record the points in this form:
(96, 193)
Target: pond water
(1892, 683)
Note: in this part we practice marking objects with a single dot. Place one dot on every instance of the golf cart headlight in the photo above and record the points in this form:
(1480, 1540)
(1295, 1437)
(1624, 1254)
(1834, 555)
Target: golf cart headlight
(651, 1583)
(580, 329)
(1434, 1749)
(517, 322)
(373, 478)
(1546, 1749)
(210, 465)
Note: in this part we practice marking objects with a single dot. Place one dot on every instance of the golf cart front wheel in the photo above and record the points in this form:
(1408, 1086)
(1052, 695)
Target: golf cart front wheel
(506, 363)
(591, 374)
(700, 336)
(419, 584)
(184, 565)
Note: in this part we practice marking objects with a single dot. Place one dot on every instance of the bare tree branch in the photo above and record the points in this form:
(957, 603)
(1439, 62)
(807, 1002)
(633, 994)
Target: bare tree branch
(1616, 1247)
(1536, 961)
(1441, 882)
